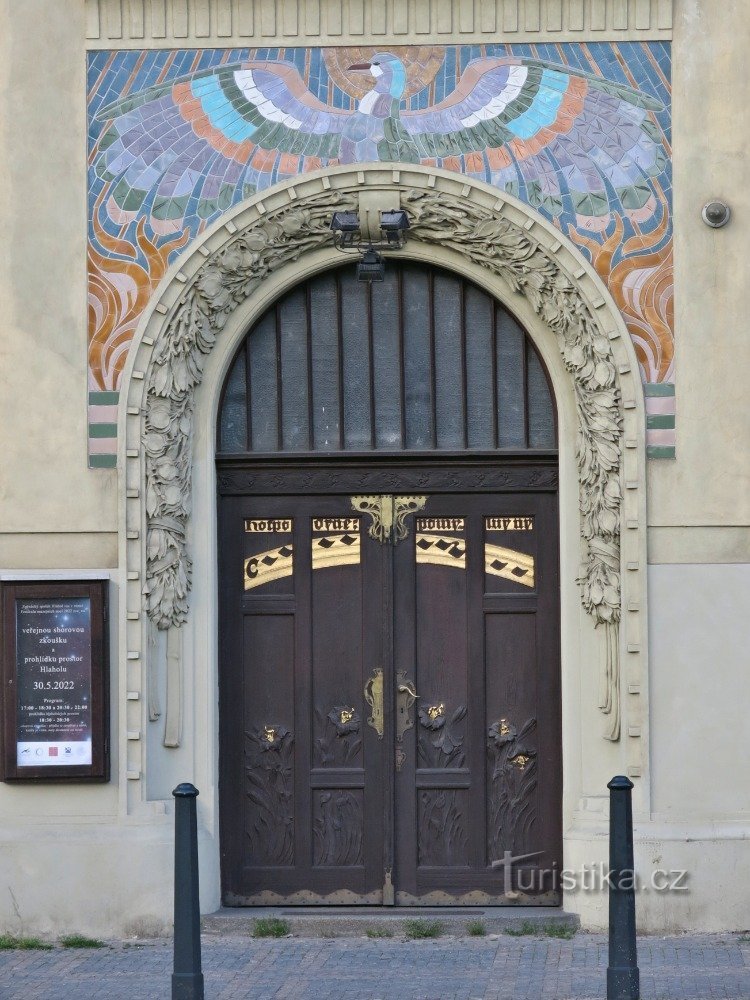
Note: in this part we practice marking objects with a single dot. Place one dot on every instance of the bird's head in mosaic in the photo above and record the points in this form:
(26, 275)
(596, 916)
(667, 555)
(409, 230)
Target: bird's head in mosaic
(420, 64)
(388, 70)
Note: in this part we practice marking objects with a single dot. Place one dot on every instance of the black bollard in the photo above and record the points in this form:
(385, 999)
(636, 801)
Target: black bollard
(623, 977)
(187, 977)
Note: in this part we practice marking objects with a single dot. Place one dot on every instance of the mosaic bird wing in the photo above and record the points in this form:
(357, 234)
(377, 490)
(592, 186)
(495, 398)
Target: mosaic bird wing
(566, 138)
(195, 145)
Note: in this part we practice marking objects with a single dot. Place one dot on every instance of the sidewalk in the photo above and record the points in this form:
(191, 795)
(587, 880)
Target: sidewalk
(697, 967)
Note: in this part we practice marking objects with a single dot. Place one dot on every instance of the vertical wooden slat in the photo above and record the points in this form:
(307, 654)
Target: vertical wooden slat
(245, 18)
(137, 19)
(371, 364)
(334, 24)
(180, 18)
(93, 21)
(223, 18)
(356, 17)
(533, 19)
(525, 384)
(279, 396)
(495, 420)
(158, 19)
(401, 356)
(202, 18)
(575, 15)
(665, 14)
(340, 342)
(619, 13)
(268, 17)
(643, 13)
(422, 18)
(114, 19)
(312, 17)
(444, 16)
(487, 16)
(510, 15)
(433, 359)
(309, 336)
(378, 19)
(248, 397)
(466, 15)
(598, 15)
(464, 377)
(554, 15)
(289, 17)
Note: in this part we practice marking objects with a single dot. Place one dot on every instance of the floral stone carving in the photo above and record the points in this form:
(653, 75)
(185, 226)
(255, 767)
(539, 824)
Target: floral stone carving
(232, 274)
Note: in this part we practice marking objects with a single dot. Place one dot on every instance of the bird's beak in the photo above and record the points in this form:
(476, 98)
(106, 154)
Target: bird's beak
(359, 67)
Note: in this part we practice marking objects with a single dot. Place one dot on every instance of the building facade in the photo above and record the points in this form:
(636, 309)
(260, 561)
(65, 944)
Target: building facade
(399, 573)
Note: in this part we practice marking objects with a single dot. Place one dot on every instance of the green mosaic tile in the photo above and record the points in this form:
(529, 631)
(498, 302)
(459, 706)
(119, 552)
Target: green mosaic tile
(102, 430)
(97, 398)
(660, 451)
(660, 421)
(102, 461)
(658, 388)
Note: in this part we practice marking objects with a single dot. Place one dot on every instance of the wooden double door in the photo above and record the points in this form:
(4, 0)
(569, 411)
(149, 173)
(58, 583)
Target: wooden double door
(389, 685)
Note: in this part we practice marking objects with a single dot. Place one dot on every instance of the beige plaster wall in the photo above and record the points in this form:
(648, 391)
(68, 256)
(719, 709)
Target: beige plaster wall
(709, 483)
(45, 485)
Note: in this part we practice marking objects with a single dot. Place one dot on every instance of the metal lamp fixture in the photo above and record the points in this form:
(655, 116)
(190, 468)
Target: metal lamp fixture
(348, 237)
(371, 267)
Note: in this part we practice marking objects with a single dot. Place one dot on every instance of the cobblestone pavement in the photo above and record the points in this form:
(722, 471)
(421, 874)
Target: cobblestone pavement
(501, 968)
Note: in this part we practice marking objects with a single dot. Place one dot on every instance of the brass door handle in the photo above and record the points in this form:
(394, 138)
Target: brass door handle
(407, 695)
(409, 688)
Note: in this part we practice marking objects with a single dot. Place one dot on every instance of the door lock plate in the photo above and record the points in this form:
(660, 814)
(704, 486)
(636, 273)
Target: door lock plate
(374, 698)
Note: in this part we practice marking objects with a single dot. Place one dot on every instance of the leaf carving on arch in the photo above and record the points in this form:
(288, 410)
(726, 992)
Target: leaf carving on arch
(232, 273)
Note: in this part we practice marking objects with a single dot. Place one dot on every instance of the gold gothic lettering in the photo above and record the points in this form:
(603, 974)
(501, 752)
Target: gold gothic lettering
(268, 525)
(509, 523)
(441, 524)
(335, 524)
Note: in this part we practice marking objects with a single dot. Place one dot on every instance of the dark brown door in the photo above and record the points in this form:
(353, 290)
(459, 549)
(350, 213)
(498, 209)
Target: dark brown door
(390, 707)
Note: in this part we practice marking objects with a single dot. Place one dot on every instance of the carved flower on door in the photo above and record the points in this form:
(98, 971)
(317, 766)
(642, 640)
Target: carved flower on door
(444, 749)
(339, 742)
(344, 719)
(432, 716)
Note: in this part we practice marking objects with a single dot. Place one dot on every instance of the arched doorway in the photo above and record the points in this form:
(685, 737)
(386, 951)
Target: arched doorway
(389, 600)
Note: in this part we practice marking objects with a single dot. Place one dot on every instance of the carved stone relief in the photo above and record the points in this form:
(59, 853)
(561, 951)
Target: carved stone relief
(485, 237)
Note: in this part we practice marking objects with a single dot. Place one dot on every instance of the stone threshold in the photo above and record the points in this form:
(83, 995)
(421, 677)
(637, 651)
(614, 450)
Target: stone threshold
(356, 921)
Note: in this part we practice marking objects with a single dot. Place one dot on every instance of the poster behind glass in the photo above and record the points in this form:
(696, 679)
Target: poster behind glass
(54, 674)
(53, 655)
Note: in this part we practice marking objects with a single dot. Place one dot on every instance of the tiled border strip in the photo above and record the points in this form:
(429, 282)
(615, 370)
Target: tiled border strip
(660, 419)
(102, 429)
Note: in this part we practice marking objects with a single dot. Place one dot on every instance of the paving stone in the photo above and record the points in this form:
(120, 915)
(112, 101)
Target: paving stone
(696, 967)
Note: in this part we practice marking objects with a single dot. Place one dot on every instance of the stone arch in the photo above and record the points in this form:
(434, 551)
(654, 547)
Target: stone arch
(279, 237)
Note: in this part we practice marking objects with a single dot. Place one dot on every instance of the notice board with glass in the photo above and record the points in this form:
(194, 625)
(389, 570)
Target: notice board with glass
(55, 681)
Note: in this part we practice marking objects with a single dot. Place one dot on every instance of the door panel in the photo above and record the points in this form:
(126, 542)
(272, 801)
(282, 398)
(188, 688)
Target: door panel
(301, 776)
(461, 619)
(467, 585)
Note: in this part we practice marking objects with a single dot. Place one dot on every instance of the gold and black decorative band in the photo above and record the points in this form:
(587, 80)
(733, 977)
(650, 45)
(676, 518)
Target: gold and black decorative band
(509, 564)
(441, 550)
(268, 566)
(336, 550)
